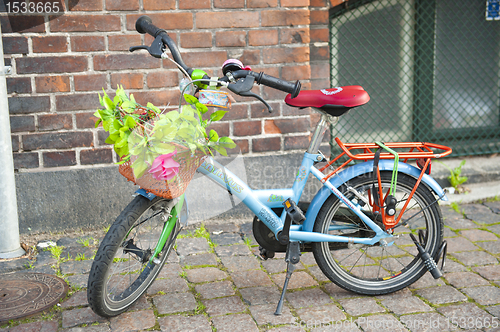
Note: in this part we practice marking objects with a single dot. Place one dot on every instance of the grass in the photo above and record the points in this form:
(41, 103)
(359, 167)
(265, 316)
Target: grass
(56, 252)
(80, 257)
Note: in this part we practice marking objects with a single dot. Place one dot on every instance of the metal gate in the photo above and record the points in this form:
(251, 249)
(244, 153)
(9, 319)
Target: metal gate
(431, 67)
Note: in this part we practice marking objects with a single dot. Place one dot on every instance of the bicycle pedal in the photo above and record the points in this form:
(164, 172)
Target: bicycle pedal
(294, 211)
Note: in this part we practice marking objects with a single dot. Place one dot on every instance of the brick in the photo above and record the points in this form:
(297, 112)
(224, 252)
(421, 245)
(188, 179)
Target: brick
(160, 79)
(23, 105)
(296, 142)
(229, 3)
(491, 272)
(96, 156)
(250, 57)
(293, 73)
(318, 3)
(101, 137)
(221, 128)
(15, 142)
(51, 64)
(286, 55)
(46, 84)
(58, 159)
(294, 17)
(64, 140)
(194, 4)
(26, 160)
(205, 59)
(258, 110)
(241, 146)
(87, 43)
(262, 3)
(55, 122)
(319, 17)
(87, 5)
(262, 37)
(22, 24)
(357, 307)
(230, 38)
(50, 44)
(159, 5)
(246, 128)
(87, 23)
(237, 112)
(15, 45)
(77, 101)
(227, 19)
(271, 128)
(266, 144)
(320, 70)
(90, 82)
(122, 5)
(128, 80)
(478, 235)
(85, 120)
(125, 61)
(236, 250)
(319, 35)
(196, 39)
(294, 36)
(167, 21)
(123, 42)
(22, 123)
(287, 126)
(319, 53)
(18, 85)
(157, 98)
(294, 3)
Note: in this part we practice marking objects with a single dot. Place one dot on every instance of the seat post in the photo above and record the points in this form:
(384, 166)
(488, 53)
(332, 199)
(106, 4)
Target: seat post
(319, 132)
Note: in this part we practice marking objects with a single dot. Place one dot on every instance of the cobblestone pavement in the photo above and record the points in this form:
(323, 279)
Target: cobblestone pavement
(229, 288)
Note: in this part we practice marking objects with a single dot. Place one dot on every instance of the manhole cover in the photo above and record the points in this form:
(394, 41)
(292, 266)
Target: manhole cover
(24, 294)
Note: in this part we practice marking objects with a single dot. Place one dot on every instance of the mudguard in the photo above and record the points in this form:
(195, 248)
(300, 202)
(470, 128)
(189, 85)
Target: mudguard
(357, 170)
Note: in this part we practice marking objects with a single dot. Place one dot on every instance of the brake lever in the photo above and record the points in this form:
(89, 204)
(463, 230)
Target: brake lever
(156, 48)
(243, 86)
(256, 96)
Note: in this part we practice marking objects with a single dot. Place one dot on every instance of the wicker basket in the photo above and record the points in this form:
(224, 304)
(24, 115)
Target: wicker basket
(176, 186)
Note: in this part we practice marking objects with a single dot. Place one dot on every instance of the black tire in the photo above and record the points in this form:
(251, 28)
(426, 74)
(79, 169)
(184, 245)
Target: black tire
(118, 277)
(376, 270)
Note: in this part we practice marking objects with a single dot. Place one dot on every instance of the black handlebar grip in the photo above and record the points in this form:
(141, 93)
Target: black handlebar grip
(144, 25)
(276, 83)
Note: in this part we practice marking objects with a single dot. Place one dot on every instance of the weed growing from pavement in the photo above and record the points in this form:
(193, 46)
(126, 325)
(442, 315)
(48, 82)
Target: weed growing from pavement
(455, 207)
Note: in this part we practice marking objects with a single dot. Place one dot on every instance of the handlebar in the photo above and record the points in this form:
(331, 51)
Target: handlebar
(144, 25)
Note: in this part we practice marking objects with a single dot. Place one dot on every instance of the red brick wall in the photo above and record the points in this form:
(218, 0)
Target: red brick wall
(60, 66)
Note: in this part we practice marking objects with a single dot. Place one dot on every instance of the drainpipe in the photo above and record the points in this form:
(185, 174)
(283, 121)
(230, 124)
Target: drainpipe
(9, 222)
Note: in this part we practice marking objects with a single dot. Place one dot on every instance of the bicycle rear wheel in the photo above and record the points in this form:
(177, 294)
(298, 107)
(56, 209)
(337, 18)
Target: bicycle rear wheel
(121, 271)
(378, 269)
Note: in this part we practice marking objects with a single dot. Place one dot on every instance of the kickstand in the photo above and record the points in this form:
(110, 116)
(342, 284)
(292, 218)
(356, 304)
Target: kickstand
(292, 257)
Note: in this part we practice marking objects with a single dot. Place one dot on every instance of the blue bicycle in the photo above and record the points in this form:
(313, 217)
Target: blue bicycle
(374, 227)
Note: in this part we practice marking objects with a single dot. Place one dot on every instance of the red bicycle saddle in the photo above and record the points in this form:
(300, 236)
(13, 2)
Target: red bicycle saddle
(334, 101)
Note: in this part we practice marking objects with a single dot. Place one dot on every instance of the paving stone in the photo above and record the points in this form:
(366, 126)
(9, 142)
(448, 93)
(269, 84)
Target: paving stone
(172, 285)
(178, 323)
(490, 272)
(427, 280)
(323, 313)
(264, 314)
(360, 306)
(224, 228)
(141, 304)
(494, 206)
(43, 326)
(251, 278)
(472, 258)
(175, 302)
(459, 243)
(464, 279)
(380, 323)
(495, 229)
(170, 270)
(14, 265)
(286, 329)
(47, 269)
(227, 323)
(91, 328)
(247, 229)
(427, 322)
(307, 259)
(480, 214)
(452, 266)
(76, 267)
(76, 300)
(236, 250)
(317, 273)
(215, 289)
(459, 223)
(441, 295)
(299, 279)
(341, 326)
(133, 321)
(189, 246)
(260, 295)
(484, 295)
(68, 242)
(460, 314)
(308, 297)
(406, 305)
(447, 233)
(226, 239)
(274, 265)
(76, 317)
(205, 274)
(494, 310)
(224, 305)
(492, 246)
(478, 235)
(173, 257)
(240, 263)
(79, 280)
(337, 292)
(448, 212)
(44, 258)
(200, 259)
(405, 292)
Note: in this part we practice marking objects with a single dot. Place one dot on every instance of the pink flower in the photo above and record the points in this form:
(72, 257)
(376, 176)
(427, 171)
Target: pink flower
(164, 167)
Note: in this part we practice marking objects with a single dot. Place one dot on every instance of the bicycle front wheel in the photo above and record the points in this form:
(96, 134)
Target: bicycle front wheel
(122, 270)
(378, 269)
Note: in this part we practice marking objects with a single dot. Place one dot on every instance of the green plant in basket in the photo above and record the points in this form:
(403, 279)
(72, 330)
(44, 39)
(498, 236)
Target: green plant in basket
(151, 138)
